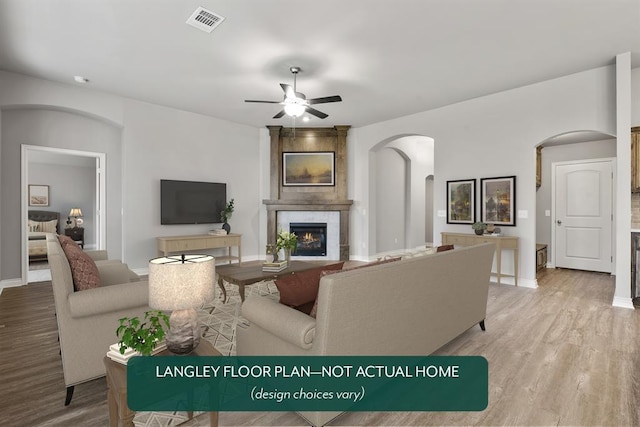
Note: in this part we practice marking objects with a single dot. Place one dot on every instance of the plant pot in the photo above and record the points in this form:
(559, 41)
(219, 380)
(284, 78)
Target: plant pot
(479, 232)
(226, 227)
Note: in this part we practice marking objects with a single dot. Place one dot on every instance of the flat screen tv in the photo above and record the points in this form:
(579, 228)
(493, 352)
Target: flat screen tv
(191, 202)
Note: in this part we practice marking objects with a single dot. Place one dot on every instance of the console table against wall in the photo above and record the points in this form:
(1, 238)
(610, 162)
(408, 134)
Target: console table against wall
(171, 244)
(501, 242)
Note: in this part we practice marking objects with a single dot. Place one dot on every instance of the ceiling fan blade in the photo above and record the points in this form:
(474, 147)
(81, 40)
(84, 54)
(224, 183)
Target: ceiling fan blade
(262, 102)
(317, 113)
(280, 114)
(288, 90)
(326, 99)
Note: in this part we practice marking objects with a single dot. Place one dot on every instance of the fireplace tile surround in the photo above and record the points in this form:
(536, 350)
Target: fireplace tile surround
(332, 221)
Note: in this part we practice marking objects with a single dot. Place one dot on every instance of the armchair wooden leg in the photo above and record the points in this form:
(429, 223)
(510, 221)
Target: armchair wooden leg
(482, 325)
(67, 400)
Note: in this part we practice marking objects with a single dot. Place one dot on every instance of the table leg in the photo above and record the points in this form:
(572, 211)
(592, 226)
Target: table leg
(241, 292)
(224, 291)
(213, 419)
(112, 404)
(515, 264)
(499, 262)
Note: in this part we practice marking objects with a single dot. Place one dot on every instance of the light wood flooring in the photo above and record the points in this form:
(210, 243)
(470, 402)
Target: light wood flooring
(558, 355)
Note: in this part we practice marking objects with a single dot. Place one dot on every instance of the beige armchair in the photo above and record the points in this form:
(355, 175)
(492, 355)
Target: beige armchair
(87, 320)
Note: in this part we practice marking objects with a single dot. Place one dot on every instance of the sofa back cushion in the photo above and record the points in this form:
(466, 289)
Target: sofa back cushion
(314, 309)
(83, 269)
(297, 289)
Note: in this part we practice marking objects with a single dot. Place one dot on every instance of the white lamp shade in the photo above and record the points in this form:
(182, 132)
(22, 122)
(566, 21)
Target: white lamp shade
(75, 212)
(177, 284)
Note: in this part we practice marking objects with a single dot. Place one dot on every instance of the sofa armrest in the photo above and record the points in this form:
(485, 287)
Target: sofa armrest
(98, 255)
(107, 299)
(113, 273)
(133, 276)
(282, 321)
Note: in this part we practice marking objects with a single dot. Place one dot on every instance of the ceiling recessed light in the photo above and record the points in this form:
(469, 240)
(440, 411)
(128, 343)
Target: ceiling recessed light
(305, 119)
(80, 79)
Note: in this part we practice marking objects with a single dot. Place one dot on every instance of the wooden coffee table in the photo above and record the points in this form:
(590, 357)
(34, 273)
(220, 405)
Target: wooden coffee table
(248, 274)
(119, 412)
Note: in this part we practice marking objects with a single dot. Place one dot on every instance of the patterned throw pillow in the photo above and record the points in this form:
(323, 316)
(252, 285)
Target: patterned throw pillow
(66, 240)
(83, 269)
(444, 248)
(314, 309)
(297, 289)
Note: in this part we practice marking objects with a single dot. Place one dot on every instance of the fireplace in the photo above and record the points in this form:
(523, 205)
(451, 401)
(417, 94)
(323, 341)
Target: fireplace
(312, 238)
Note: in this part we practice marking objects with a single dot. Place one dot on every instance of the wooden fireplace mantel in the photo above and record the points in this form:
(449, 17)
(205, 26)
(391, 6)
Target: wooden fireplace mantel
(308, 205)
(301, 198)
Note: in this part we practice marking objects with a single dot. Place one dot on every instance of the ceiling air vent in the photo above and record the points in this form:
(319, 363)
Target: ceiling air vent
(205, 20)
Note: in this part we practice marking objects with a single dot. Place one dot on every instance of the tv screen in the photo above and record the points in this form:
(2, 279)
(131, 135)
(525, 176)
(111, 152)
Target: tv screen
(191, 202)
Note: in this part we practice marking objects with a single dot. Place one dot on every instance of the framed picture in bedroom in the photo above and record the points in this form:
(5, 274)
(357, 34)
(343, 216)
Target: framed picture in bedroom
(461, 201)
(311, 168)
(498, 200)
(38, 195)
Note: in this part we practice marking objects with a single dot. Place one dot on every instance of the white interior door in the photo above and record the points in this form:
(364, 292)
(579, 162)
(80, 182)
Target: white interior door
(583, 214)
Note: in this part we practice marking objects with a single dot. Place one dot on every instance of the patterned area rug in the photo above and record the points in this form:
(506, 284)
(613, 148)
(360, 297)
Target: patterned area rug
(219, 322)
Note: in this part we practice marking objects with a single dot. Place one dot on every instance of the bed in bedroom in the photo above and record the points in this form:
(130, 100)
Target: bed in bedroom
(40, 223)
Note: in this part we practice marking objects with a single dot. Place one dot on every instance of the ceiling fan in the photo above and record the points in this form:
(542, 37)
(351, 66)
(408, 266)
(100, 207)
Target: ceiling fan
(295, 103)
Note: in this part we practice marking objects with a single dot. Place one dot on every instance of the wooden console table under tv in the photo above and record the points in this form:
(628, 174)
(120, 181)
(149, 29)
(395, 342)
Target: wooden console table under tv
(501, 242)
(173, 244)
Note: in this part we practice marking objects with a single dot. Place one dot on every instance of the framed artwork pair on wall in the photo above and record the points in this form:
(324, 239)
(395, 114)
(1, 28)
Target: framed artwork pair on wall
(497, 201)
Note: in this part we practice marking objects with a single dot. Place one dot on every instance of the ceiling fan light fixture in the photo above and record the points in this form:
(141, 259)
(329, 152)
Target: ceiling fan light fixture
(294, 109)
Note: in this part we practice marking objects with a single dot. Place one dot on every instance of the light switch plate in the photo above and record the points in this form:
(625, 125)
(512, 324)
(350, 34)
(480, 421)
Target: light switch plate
(547, 212)
(523, 214)
(442, 214)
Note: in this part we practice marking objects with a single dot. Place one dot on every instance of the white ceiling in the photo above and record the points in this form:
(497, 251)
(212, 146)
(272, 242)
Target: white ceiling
(385, 58)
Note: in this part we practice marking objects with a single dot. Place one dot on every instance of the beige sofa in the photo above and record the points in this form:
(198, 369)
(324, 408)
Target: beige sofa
(87, 320)
(415, 306)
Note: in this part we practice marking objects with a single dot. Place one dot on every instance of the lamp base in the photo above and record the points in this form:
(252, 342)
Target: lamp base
(184, 333)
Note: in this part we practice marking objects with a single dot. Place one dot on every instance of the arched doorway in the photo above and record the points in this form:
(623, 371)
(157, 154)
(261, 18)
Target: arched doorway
(572, 146)
(399, 168)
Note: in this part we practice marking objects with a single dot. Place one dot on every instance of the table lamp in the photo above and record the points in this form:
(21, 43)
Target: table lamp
(76, 213)
(180, 284)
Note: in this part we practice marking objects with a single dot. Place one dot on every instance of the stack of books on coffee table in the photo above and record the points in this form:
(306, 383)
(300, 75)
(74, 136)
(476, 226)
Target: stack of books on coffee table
(274, 266)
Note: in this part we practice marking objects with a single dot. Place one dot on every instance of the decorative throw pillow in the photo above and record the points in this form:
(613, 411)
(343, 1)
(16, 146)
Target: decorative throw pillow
(66, 240)
(314, 309)
(49, 226)
(444, 248)
(300, 288)
(83, 269)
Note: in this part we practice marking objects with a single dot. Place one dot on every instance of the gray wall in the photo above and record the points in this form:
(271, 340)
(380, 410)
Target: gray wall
(491, 136)
(562, 153)
(69, 187)
(61, 129)
(391, 199)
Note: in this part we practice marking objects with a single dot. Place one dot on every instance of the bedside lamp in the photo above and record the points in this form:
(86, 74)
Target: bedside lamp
(76, 213)
(181, 283)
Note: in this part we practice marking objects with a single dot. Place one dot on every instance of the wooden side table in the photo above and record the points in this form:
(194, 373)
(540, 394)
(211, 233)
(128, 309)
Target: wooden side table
(76, 234)
(501, 242)
(119, 412)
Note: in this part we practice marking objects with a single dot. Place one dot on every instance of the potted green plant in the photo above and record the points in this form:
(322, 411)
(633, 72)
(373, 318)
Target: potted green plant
(287, 241)
(479, 227)
(142, 337)
(225, 214)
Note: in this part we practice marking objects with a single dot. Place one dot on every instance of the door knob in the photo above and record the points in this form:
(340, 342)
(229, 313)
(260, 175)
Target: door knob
(559, 222)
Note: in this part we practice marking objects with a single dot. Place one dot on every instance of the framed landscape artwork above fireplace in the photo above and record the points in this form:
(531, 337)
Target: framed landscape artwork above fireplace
(309, 168)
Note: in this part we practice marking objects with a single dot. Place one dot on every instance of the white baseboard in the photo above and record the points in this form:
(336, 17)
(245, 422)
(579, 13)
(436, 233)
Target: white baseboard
(622, 302)
(10, 283)
(523, 283)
